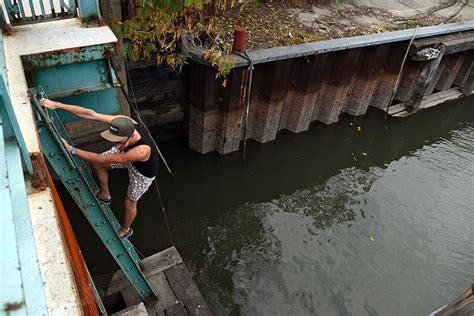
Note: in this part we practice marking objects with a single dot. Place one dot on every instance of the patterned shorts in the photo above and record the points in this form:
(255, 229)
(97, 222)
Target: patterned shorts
(138, 184)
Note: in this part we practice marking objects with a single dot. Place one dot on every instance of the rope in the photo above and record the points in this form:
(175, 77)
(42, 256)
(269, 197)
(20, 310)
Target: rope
(134, 106)
(397, 83)
(247, 109)
(249, 90)
(143, 257)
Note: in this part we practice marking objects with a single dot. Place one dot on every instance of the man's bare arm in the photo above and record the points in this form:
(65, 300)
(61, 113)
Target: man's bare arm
(139, 153)
(80, 111)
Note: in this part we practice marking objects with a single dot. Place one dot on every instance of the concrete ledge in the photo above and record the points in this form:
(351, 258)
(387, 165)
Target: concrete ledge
(59, 285)
(286, 52)
(314, 48)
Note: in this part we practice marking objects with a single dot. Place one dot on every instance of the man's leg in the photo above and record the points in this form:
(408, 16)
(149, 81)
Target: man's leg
(130, 213)
(101, 176)
(137, 186)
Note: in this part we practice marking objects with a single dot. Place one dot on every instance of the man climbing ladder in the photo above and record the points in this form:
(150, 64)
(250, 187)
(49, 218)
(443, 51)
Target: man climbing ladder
(134, 150)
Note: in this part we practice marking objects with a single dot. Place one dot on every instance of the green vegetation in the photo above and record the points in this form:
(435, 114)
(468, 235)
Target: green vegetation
(155, 34)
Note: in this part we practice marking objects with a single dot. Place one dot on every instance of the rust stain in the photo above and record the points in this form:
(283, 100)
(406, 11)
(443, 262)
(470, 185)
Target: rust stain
(10, 307)
(40, 172)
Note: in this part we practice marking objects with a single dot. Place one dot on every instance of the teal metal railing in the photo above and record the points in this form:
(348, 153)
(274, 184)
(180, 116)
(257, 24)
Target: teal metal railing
(27, 11)
(21, 286)
(32, 11)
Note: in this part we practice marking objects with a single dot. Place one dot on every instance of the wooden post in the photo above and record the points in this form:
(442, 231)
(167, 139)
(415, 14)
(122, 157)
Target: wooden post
(388, 78)
(233, 111)
(451, 69)
(337, 85)
(366, 81)
(421, 86)
(205, 98)
(268, 105)
(465, 68)
(302, 101)
(468, 85)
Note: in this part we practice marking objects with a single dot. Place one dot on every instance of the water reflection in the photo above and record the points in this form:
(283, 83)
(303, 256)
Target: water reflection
(352, 245)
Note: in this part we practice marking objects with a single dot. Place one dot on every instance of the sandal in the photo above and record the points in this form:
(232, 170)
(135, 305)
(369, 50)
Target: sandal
(128, 233)
(106, 201)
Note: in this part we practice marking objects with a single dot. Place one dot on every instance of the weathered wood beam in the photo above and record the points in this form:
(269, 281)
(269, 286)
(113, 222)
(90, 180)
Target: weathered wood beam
(452, 66)
(388, 78)
(268, 105)
(455, 43)
(421, 86)
(302, 100)
(205, 99)
(463, 73)
(366, 81)
(233, 111)
(459, 45)
(431, 100)
(336, 87)
(186, 291)
(467, 87)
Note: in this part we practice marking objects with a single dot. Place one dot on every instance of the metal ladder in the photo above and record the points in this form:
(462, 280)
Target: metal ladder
(77, 179)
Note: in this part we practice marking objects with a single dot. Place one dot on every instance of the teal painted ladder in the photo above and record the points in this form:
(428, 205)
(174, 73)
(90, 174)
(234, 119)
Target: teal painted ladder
(77, 179)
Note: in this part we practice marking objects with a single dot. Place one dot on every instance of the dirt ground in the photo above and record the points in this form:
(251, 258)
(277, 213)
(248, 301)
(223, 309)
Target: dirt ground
(280, 24)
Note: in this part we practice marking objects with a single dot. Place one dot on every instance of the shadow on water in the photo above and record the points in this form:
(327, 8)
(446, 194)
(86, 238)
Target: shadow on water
(220, 207)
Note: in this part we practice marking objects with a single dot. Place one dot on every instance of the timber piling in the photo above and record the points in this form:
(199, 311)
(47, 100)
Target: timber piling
(319, 81)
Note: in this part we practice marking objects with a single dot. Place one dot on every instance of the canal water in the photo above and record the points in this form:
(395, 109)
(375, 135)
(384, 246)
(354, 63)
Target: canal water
(356, 218)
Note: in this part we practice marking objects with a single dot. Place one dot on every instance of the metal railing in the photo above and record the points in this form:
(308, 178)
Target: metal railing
(29, 11)
(21, 285)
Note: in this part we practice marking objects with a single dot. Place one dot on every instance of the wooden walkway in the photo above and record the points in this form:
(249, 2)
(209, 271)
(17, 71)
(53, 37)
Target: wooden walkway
(171, 281)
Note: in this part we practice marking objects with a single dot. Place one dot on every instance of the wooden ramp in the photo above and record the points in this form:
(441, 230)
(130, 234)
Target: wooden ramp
(170, 279)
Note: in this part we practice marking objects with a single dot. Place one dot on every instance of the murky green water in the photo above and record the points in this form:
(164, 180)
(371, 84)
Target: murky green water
(333, 221)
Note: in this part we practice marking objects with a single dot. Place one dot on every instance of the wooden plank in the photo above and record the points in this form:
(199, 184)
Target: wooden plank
(467, 88)
(463, 305)
(451, 68)
(466, 67)
(176, 310)
(366, 82)
(268, 106)
(388, 77)
(399, 110)
(153, 265)
(302, 101)
(459, 45)
(158, 282)
(452, 40)
(437, 75)
(337, 86)
(183, 286)
(233, 111)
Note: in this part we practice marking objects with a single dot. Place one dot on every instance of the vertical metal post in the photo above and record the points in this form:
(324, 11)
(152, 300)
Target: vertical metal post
(32, 8)
(22, 9)
(43, 11)
(88, 10)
